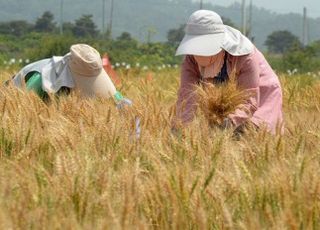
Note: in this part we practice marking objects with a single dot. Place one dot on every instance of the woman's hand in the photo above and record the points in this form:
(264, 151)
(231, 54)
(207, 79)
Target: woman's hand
(226, 124)
(123, 103)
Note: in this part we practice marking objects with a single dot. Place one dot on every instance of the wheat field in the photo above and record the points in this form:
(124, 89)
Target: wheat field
(76, 164)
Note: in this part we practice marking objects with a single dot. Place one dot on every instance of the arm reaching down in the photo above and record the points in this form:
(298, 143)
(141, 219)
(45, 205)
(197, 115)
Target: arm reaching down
(248, 80)
(186, 103)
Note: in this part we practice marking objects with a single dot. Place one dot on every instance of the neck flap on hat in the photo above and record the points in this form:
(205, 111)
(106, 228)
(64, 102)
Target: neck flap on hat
(235, 43)
(56, 74)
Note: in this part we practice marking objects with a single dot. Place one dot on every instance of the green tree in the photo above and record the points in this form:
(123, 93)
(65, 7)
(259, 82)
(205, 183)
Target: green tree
(315, 47)
(85, 27)
(296, 58)
(17, 28)
(68, 28)
(281, 41)
(45, 23)
(227, 21)
(50, 45)
(124, 48)
(174, 36)
(125, 36)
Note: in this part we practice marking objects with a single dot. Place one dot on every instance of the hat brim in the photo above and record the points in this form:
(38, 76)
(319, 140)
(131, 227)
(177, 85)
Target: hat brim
(97, 86)
(202, 45)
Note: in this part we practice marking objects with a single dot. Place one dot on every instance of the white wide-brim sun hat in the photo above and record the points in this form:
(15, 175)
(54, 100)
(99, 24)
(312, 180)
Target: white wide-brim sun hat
(206, 35)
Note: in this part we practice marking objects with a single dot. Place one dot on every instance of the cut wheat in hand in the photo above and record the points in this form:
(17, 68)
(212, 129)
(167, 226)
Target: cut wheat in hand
(216, 102)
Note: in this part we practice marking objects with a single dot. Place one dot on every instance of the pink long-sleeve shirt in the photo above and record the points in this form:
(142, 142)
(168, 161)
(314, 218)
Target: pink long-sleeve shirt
(254, 74)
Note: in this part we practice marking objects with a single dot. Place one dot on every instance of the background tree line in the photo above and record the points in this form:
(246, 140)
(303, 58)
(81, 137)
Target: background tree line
(151, 19)
(21, 39)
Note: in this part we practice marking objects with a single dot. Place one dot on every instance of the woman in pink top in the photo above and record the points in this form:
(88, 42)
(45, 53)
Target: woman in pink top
(214, 50)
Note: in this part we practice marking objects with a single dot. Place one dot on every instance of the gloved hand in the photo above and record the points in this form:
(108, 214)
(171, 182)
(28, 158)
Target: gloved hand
(226, 124)
(123, 103)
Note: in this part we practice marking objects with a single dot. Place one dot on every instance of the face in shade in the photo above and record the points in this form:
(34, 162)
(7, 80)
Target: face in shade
(210, 66)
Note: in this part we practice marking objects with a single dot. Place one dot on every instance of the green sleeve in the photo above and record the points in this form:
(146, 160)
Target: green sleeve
(34, 83)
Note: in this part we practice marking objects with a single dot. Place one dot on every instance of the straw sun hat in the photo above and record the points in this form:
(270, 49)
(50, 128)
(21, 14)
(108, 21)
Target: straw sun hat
(88, 74)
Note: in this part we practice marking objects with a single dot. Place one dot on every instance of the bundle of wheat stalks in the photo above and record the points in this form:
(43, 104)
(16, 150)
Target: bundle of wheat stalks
(216, 102)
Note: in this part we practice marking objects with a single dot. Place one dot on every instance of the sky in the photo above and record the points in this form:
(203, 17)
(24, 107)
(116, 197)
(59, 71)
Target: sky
(279, 6)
